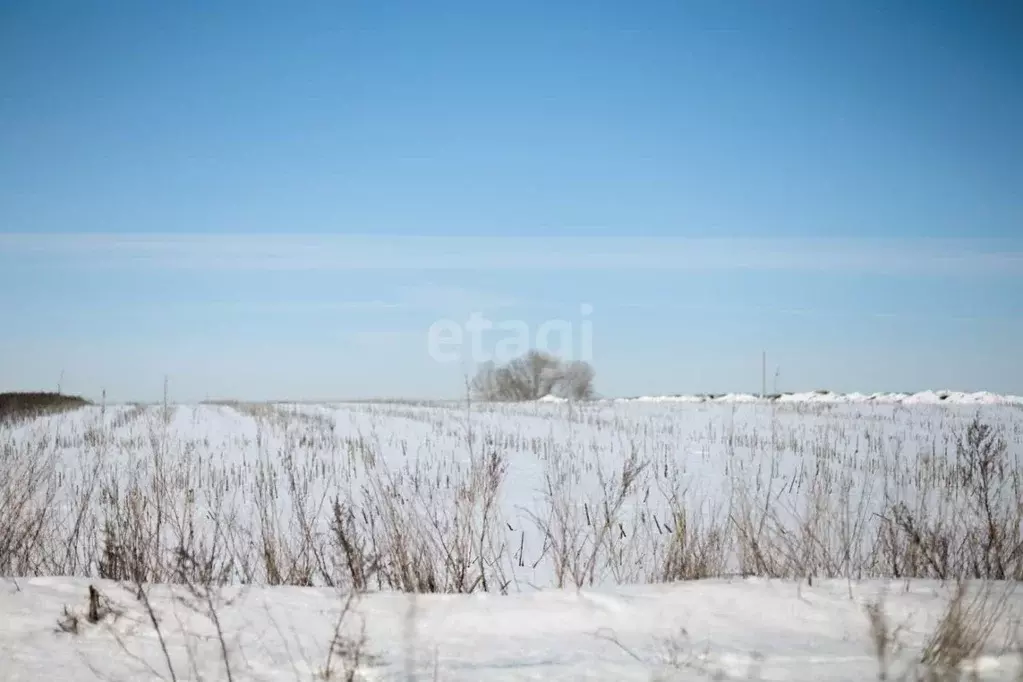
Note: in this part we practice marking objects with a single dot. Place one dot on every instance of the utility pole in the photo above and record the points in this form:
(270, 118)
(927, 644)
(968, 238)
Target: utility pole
(763, 374)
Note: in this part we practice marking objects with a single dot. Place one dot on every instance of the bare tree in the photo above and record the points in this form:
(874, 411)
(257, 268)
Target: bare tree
(575, 381)
(513, 383)
(486, 384)
(493, 383)
(533, 376)
(539, 371)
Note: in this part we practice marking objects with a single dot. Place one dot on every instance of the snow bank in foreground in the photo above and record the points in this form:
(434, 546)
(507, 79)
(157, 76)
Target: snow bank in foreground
(736, 629)
(922, 398)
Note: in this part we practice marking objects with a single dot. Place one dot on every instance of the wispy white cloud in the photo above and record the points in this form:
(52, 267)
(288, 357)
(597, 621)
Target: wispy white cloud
(295, 306)
(261, 252)
(427, 296)
(448, 299)
(802, 311)
(385, 339)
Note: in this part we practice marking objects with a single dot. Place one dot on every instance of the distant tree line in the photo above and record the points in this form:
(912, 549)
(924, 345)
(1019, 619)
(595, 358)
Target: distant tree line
(534, 375)
(17, 404)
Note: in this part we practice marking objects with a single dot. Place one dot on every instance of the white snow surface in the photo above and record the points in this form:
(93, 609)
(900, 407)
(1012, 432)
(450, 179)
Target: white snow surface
(715, 629)
(782, 630)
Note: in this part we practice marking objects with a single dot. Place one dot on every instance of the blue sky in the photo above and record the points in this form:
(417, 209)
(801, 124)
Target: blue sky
(270, 201)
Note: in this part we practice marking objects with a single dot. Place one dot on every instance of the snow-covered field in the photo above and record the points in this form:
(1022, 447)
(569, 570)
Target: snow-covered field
(782, 514)
(701, 630)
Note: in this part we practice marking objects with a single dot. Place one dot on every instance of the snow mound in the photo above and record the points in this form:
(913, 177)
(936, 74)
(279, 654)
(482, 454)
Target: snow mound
(955, 397)
(667, 399)
(827, 397)
(737, 398)
(550, 398)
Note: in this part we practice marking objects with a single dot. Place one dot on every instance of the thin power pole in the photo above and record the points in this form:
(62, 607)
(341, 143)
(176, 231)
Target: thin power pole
(763, 374)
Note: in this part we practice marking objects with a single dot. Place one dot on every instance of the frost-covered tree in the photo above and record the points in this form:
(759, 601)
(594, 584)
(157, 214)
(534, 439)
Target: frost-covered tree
(533, 376)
